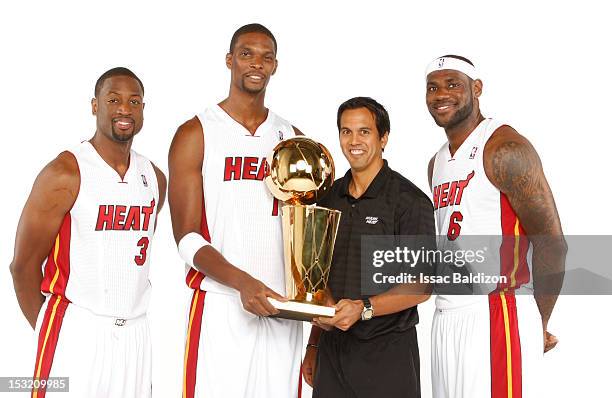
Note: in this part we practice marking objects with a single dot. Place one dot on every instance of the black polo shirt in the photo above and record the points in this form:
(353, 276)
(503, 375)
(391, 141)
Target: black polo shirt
(399, 208)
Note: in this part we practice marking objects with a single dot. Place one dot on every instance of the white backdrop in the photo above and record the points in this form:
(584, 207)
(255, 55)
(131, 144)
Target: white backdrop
(544, 67)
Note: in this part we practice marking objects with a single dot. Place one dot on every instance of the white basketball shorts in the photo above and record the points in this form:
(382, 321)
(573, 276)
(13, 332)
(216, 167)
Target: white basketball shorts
(101, 356)
(489, 349)
(231, 353)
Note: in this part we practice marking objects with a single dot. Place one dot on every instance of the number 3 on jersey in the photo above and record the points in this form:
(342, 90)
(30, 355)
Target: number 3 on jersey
(454, 228)
(143, 243)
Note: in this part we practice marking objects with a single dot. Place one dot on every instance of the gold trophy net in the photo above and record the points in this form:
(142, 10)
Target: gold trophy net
(309, 235)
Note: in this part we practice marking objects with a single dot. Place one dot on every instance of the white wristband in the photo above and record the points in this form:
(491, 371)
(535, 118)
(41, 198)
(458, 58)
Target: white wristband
(189, 245)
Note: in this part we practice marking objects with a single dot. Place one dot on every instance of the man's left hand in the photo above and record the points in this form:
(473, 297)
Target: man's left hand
(347, 313)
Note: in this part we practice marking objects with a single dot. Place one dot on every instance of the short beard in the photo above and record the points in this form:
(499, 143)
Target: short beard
(121, 137)
(251, 91)
(460, 115)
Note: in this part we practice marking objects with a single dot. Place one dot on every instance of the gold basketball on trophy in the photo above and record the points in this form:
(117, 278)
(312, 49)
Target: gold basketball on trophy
(300, 172)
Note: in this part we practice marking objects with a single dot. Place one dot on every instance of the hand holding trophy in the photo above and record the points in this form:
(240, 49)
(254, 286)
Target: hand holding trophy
(301, 171)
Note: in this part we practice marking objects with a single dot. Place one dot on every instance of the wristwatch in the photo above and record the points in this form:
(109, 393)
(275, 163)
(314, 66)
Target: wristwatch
(368, 312)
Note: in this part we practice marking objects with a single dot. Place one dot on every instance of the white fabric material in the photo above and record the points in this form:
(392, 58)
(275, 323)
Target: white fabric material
(237, 204)
(189, 245)
(480, 206)
(460, 350)
(461, 353)
(446, 63)
(104, 275)
(100, 358)
(242, 356)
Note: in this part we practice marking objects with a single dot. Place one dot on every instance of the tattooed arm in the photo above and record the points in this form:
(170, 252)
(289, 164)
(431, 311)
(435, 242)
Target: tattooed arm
(514, 167)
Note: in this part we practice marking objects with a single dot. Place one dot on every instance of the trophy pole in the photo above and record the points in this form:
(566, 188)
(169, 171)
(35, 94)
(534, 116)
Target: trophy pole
(309, 235)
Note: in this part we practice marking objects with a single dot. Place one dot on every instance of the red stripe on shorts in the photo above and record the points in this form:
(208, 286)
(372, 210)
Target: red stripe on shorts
(506, 372)
(192, 343)
(47, 340)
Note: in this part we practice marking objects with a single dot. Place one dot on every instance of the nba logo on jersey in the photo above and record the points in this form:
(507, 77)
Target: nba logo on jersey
(280, 135)
(473, 153)
(144, 180)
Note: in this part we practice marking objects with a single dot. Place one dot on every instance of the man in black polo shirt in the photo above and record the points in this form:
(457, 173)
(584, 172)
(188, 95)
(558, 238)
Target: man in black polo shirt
(369, 348)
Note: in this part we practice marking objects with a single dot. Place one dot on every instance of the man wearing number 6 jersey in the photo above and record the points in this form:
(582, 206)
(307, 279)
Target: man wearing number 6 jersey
(81, 262)
(488, 180)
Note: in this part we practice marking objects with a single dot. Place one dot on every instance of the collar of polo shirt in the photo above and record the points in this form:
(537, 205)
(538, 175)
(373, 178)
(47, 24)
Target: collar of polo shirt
(375, 186)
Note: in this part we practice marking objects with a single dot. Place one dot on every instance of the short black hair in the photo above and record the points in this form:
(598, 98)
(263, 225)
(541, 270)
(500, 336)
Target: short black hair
(458, 57)
(381, 117)
(118, 71)
(251, 28)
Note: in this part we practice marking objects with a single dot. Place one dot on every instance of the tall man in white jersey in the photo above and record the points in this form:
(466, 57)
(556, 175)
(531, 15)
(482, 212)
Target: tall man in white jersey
(89, 221)
(228, 231)
(488, 180)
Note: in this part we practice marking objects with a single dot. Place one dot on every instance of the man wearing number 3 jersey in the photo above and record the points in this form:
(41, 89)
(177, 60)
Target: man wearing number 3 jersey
(228, 230)
(81, 262)
(488, 180)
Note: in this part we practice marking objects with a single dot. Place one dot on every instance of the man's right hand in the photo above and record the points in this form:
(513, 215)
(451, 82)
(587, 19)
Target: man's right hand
(309, 364)
(550, 341)
(254, 296)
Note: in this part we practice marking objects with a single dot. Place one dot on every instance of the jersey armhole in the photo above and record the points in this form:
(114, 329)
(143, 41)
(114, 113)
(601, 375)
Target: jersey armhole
(484, 152)
(76, 159)
(200, 117)
(155, 176)
(433, 171)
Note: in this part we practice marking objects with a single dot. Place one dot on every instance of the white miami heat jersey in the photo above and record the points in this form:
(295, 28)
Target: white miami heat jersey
(240, 217)
(467, 203)
(100, 259)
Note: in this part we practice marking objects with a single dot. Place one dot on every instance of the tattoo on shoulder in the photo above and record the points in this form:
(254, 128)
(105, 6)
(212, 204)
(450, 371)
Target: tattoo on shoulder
(516, 170)
(514, 164)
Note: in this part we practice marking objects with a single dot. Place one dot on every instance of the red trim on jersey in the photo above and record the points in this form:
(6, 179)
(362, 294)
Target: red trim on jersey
(523, 274)
(192, 344)
(513, 262)
(195, 277)
(204, 223)
(47, 340)
(57, 268)
(506, 371)
(300, 383)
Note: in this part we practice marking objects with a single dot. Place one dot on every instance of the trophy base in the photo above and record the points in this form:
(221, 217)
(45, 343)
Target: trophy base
(298, 311)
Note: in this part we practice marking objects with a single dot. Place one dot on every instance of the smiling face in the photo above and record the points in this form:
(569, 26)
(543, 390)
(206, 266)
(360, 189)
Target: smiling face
(451, 97)
(119, 108)
(252, 62)
(360, 141)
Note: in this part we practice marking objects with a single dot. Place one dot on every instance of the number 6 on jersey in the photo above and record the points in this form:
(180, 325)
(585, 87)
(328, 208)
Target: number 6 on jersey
(454, 228)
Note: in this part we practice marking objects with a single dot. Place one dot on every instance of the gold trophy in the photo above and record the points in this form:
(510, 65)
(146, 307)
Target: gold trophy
(300, 171)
